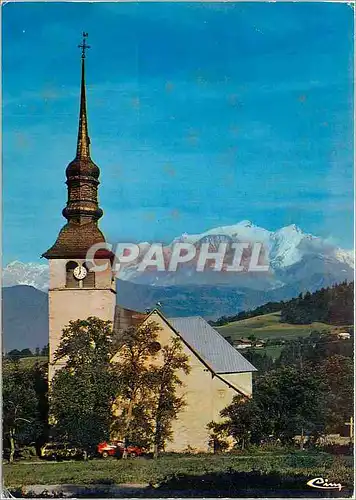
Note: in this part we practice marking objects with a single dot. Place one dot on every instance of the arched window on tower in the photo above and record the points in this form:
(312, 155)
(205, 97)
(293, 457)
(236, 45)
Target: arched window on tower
(89, 280)
(71, 281)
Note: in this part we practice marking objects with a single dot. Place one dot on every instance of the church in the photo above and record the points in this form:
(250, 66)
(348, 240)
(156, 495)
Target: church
(218, 372)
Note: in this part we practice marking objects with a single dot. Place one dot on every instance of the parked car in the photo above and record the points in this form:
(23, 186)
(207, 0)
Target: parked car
(61, 451)
(116, 449)
(107, 449)
(133, 450)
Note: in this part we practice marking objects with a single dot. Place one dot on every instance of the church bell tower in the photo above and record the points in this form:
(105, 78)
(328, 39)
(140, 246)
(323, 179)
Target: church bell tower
(75, 291)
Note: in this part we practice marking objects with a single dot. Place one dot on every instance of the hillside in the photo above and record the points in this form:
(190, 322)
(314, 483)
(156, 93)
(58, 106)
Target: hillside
(24, 318)
(332, 305)
(25, 310)
(268, 326)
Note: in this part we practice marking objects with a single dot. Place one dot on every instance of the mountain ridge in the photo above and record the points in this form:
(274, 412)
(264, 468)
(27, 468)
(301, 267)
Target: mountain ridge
(285, 248)
(298, 262)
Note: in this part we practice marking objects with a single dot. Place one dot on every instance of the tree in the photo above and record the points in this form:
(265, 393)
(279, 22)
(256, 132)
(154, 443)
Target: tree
(138, 346)
(21, 418)
(244, 421)
(219, 436)
(286, 401)
(14, 355)
(333, 305)
(45, 350)
(149, 372)
(83, 393)
(260, 360)
(26, 353)
(39, 374)
(337, 373)
(166, 382)
(314, 349)
(293, 400)
(253, 339)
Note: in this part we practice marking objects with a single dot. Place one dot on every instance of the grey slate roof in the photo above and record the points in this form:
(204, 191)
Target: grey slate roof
(210, 345)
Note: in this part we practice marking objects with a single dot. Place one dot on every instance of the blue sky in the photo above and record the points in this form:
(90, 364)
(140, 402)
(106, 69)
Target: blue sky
(200, 115)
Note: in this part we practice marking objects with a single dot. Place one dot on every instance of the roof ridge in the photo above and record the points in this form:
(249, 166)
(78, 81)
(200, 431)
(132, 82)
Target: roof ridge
(236, 352)
(185, 317)
(221, 343)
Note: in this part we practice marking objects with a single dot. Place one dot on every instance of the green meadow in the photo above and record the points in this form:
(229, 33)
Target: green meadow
(269, 326)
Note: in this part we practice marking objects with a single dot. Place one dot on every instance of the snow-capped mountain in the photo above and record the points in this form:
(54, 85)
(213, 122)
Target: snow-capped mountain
(292, 256)
(31, 274)
(284, 249)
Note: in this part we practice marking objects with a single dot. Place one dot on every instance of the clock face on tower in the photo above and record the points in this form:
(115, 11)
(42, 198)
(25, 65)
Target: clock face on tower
(80, 272)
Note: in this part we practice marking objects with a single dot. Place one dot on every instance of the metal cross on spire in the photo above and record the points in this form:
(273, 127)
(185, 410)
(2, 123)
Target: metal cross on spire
(83, 45)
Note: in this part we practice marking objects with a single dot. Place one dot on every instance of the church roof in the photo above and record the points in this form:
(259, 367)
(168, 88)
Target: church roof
(218, 354)
(74, 241)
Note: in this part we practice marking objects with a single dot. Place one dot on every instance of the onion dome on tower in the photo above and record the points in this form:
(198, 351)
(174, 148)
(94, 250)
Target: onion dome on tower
(82, 210)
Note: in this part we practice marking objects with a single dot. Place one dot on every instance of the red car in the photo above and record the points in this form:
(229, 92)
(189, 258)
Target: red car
(116, 448)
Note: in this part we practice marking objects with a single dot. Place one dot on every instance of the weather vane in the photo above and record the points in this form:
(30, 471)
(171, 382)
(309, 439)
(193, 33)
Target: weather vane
(83, 45)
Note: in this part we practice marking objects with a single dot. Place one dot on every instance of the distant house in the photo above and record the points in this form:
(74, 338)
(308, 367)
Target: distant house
(260, 344)
(344, 335)
(245, 343)
(242, 344)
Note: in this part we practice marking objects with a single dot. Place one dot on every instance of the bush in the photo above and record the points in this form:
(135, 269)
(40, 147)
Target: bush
(28, 452)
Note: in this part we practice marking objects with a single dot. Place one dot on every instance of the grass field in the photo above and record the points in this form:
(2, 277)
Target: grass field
(182, 470)
(268, 326)
(30, 361)
(273, 351)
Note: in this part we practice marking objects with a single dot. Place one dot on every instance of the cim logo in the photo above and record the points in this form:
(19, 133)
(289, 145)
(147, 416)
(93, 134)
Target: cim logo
(324, 484)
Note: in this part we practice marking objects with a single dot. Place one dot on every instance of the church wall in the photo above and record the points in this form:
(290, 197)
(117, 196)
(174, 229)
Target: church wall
(205, 394)
(241, 381)
(57, 273)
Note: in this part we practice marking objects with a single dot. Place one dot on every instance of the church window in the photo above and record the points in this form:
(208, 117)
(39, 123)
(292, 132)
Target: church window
(155, 347)
(71, 281)
(89, 280)
(221, 393)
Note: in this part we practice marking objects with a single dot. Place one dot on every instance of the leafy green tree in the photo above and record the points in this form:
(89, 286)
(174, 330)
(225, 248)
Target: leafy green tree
(260, 360)
(84, 391)
(39, 374)
(166, 381)
(333, 305)
(219, 436)
(244, 421)
(45, 350)
(253, 339)
(26, 353)
(21, 418)
(293, 400)
(286, 401)
(314, 349)
(337, 373)
(149, 375)
(14, 355)
(138, 346)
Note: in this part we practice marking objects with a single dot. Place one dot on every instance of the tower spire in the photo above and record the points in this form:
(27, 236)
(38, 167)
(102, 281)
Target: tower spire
(83, 143)
(82, 209)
